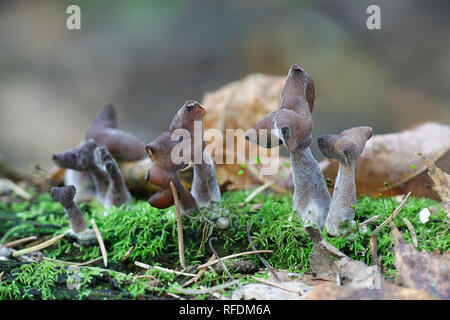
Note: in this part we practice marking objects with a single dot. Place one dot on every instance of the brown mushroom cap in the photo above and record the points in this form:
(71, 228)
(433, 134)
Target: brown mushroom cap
(298, 90)
(347, 146)
(190, 111)
(63, 195)
(294, 129)
(122, 145)
(160, 152)
(261, 133)
(80, 158)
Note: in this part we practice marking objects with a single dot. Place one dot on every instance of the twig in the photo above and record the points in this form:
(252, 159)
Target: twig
(127, 254)
(218, 257)
(199, 273)
(203, 237)
(15, 188)
(258, 190)
(100, 242)
(374, 249)
(40, 246)
(173, 295)
(233, 256)
(69, 263)
(206, 290)
(370, 220)
(412, 232)
(179, 225)
(264, 261)
(145, 276)
(18, 242)
(146, 266)
(393, 215)
(275, 284)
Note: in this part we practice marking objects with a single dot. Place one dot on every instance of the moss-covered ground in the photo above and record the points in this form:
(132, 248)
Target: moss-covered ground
(153, 235)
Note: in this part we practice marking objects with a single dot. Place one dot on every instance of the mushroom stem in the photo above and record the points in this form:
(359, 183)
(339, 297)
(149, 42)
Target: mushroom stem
(205, 188)
(77, 222)
(311, 197)
(346, 148)
(343, 202)
(117, 193)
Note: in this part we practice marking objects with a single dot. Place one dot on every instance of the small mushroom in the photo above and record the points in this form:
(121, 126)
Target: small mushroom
(346, 148)
(77, 222)
(205, 188)
(122, 145)
(291, 125)
(164, 171)
(117, 194)
(82, 158)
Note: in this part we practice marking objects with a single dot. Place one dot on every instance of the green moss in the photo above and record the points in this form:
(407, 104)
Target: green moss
(153, 234)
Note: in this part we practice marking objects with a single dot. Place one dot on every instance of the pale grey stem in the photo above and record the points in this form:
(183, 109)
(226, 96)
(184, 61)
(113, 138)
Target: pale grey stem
(343, 202)
(205, 188)
(311, 196)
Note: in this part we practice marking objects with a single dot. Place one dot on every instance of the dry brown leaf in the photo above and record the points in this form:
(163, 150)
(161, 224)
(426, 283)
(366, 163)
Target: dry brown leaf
(327, 262)
(421, 270)
(387, 291)
(441, 182)
(240, 105)
(392, 158)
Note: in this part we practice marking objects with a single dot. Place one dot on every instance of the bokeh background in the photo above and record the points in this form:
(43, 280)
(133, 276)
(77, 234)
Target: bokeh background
(148, 57)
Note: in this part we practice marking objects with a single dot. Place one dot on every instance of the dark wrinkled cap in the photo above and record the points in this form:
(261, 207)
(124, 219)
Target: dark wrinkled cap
(63, 195)
(347, 146)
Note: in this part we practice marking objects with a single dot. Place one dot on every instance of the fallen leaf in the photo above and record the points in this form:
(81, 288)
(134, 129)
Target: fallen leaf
(441, 182)
(421, 270)
(327, 262)
(387, 291)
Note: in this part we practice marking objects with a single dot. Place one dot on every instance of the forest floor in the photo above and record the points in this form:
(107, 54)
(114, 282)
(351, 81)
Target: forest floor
(142, 246)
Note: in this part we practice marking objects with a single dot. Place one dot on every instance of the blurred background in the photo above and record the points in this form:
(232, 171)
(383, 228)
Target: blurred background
(148, 57)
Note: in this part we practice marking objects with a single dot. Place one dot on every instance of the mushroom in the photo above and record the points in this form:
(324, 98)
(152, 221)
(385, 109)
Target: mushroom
(77, 222)
(346, 148)
(83, 158)
(165, 170)
(122, 145)
(205, 188)
(117, 194)
(291, 125)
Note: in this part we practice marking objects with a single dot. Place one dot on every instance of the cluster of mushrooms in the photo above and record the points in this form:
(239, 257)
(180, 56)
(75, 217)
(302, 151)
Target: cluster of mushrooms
(92, 169)
(292, 126)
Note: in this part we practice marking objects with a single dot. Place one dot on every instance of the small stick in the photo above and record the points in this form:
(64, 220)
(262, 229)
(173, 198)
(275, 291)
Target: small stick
(199, 273)
(275, 284)
(40, 246)
(145, 276)
(259, 190)
(233, 256)
(374, 249)
(69, 263)
(15, 188)
(100, 242)
(412, 232)
(206, 290)
(217, 255)
(18, 242)
(203, 237)
(393, 215)
(370, 220)
(127, 254)
(173, 295)
(179, 225)
(146, 266)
